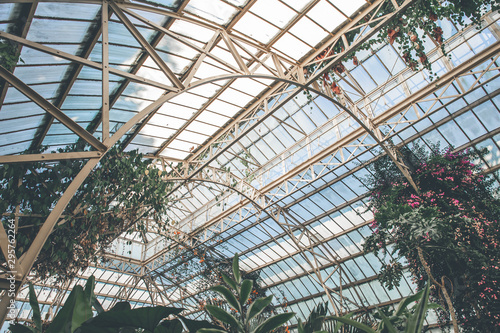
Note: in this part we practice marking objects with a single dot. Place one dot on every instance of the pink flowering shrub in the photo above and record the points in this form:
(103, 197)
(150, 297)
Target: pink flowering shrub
(453, 220)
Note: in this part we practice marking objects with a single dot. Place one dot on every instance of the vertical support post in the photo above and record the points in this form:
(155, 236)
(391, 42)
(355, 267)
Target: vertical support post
(105, 71)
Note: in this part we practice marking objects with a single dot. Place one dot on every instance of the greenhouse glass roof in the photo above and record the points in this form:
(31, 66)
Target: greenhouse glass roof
(214, 92)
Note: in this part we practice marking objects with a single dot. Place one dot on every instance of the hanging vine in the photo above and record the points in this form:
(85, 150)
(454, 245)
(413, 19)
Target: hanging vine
(407, 32)
(119, 195)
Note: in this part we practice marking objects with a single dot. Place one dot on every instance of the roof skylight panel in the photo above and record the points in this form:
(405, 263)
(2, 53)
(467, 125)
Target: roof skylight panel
(213, 118)
(6, 10)
(157, 131)
(150, 70)
(202, 128)
(324, 14)
(256, 28)
(80, 11)
(150, 141)
(376, 70)
(308, 31)
(249, 86)
(213, 10)
(119, 33)
(223, 108)
(348, 7)
(13, 126)
(363, 79)
(175, 111)
(120, 56)
(274, 12)
(162, 126)
(211, 68)
(187, 101)
(291, 46)
(191, 30)
(172, 45)
(21, 111)
(182, 145)
(191, 136)
(42, 31)
(391, 59)
(173, 153)
(43, 74)
(235, 97)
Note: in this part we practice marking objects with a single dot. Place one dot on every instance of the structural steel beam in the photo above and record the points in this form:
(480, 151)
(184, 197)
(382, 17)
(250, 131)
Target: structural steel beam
(51, 109)
(86, 62)
(144, 43)
(490, 54)
(48, 157)
(407, 103)
(105, 69)
(73, 71)
(213, 151)
(24, 33)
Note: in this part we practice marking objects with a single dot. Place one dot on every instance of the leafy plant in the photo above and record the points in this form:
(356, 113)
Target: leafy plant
(8, 54)
(406, 30)
(76, 310)
(448, 233)
(76, 315)
(245, 318)
(403, 319)
(315, 321)
(122, 191)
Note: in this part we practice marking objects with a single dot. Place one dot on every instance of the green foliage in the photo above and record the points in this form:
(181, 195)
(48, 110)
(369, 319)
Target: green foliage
(244, 318)
(121, 190)
(76, 310)
(315, 320)
(406, 30)
(453, 222)
(403, 319)
(8, 54)
(76, 316)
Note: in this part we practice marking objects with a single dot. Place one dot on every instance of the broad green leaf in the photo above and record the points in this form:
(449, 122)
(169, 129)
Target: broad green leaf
(88, 328)
(89, 288)
(18, 328)
(300, 326)
(236, 268)
(257, 306)
(433, 306)
(387, 323)
(338, 324)
(416, 321)
(274, 322)
(229, 296)
(246, 289)
(230, 281)
(120, 306)
(195, 325)
(408, 300)
(97, 305)
(169, 326)
(353, 323)
(147, 318)
(64, 316)
(82, 310)
(37, 318)
(210, 330)
(224, 317)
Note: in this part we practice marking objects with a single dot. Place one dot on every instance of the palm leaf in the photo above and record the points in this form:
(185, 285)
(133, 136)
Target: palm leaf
(274, 322)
